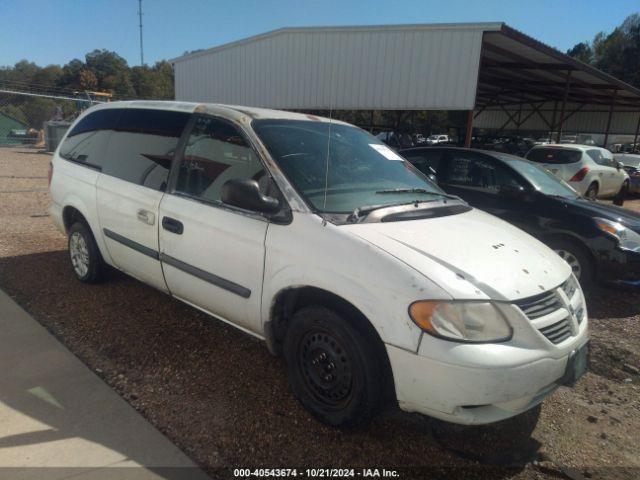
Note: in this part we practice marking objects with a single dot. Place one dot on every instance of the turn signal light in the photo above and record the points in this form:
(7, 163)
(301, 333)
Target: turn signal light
(50, 174)
(580, 174)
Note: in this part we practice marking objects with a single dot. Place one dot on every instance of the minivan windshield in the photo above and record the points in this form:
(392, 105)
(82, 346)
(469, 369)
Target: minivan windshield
(360, 171)
(542, 180)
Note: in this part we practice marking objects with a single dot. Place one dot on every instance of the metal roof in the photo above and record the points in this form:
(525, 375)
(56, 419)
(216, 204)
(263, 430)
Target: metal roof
(395, 67)
(515, 67)
(406, 67)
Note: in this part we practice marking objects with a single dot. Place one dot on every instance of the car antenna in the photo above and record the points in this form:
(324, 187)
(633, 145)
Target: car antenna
(326, 172)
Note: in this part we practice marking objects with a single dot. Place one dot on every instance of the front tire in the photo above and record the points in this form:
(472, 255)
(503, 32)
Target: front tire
(622, 194)
(333, 368)
(578, 258)
(86, 261)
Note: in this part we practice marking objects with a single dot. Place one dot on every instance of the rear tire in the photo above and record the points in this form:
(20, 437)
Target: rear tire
(333, 367)
(86, 260)
(592, 192)
(578, 258)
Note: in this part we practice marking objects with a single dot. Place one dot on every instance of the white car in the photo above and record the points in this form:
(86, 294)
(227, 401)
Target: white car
(592, 171)
(435, 139)
(320, 240)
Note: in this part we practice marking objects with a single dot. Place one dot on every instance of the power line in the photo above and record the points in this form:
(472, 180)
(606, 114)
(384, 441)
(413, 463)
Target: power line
(141, 47)
(57, 97)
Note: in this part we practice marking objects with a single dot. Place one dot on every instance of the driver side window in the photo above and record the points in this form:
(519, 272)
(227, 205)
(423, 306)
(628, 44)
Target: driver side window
(215, 153)
(477, 173)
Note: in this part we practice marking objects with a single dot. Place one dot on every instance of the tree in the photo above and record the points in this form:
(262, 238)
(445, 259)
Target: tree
(88, 80)
(617, 53)
(111, 71)
(582, 51)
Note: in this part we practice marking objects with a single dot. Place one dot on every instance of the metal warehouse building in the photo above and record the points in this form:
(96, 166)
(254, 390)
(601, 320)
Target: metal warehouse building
(501, 77)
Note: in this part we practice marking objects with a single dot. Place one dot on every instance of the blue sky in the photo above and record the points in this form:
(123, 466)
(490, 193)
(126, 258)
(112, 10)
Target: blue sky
(56, 31)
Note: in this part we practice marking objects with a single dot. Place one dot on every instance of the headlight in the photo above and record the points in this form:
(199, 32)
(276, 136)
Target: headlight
(627, 239)
(475, 322)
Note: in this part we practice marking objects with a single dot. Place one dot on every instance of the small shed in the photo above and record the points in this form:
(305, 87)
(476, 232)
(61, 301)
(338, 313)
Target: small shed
(11, 129)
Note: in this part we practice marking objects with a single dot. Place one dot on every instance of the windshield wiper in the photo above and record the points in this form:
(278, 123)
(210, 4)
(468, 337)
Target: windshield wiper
(366, 209)
(418, 190)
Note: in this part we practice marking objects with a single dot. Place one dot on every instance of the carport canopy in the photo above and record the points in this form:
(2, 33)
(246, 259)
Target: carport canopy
(523, 82)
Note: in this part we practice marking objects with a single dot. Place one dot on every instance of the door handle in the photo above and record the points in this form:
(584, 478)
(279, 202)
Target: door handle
(172, 225)
(146, 216)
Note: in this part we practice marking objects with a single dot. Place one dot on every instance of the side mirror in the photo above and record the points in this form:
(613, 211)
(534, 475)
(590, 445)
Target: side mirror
(619, 165)
(245, 193)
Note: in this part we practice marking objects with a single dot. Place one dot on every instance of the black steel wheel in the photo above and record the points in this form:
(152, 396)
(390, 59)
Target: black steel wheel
(333, 367)
(326, 368)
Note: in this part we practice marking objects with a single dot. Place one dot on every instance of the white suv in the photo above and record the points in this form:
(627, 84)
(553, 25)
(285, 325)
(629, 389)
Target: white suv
(317, 238)
(592, 171)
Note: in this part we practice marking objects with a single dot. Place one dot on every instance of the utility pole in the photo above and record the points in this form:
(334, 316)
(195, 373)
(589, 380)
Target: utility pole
(141, 48)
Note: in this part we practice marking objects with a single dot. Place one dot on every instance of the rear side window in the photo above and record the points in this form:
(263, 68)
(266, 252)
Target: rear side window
(554, 155)
(87, 142)
(142, 147)
(601, 158)
(215, 153)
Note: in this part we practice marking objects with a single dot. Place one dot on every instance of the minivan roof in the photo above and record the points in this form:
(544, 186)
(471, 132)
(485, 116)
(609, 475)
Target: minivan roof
(240, 113)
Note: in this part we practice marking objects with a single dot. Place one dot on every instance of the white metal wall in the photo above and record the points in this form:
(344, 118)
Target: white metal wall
(404, 67)
(592, 120)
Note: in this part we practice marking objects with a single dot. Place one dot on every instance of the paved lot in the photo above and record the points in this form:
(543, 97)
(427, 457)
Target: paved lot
(58, 419)
(223, 399)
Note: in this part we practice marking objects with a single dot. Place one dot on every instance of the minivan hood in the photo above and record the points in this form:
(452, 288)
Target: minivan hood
(470, 255)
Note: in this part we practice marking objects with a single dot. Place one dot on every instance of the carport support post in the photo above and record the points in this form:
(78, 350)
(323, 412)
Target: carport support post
(567, 85)
(553, 118)
(635, 138)
(467, 138)
(606, 132)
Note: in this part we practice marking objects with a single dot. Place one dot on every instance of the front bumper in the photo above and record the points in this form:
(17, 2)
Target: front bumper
(620, 265)
(476, 384)
(472, 396)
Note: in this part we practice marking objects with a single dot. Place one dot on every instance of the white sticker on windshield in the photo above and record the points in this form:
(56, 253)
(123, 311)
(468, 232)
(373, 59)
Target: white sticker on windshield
(386, 151)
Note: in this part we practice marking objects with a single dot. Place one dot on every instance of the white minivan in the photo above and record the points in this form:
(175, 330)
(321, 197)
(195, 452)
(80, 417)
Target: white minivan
(316, 237)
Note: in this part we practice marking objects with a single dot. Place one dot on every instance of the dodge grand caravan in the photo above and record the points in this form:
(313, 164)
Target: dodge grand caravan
(313, 235)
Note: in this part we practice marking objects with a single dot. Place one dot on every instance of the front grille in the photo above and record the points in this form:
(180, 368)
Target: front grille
(549, 303)
(540, 305)
(558, 331)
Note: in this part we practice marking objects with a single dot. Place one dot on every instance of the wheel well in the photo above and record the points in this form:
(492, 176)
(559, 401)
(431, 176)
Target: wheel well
(71, 215)
(293, 299)
(568, 238)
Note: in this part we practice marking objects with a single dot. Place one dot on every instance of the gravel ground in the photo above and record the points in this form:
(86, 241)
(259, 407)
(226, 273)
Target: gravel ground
(220, 396)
